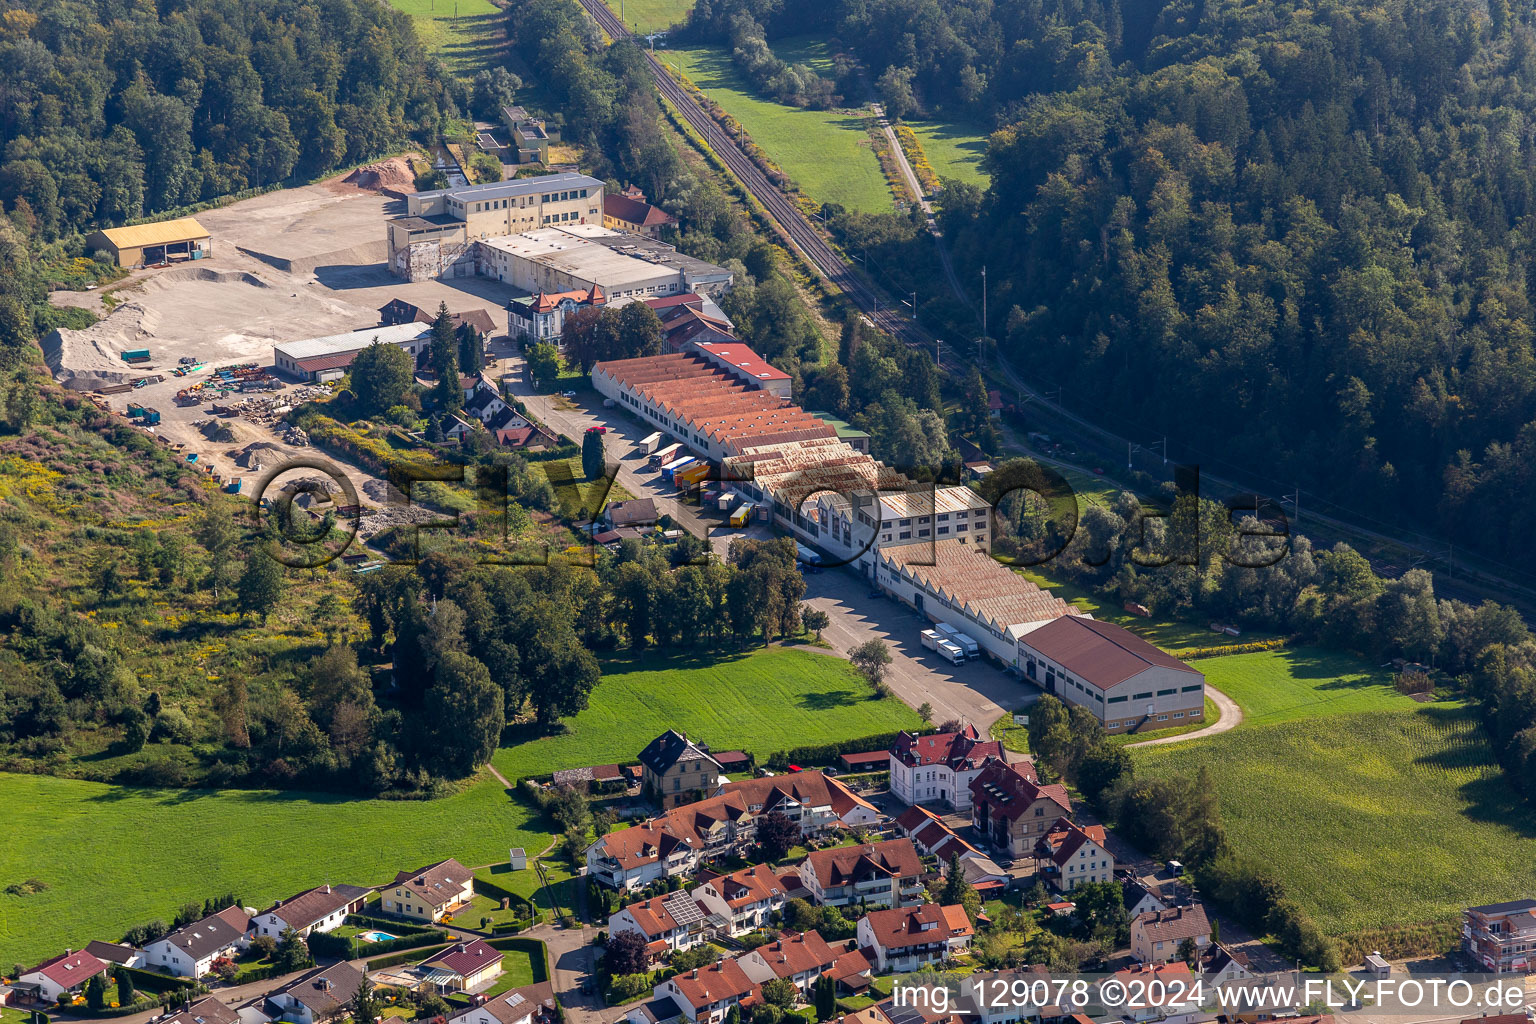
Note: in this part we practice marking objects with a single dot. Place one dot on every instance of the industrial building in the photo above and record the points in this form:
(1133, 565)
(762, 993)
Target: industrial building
(327, 358)
(950, 581)
(1125, 681)
(578, 257)
(148, 244)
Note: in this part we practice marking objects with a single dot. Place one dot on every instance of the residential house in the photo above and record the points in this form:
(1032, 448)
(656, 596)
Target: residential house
(747, 898)
(1011, 810)
(705, 995)
(886, 874)
(542, 315)
(667, 923)
(1169, 993)
(321, 995)
(673, 843)
(1220, 965)
(1156, 936)
(206, 1010)
(464, 966)
(674, 770)
(910, 938)
(638, 512)
(113, 953)
(1069, 855)
(66, 973)
(655, 1011)
(851, 972)
(799, 958)
(934, 838)
(939, 768)
(483, 401)
(1501, 936)
(321, 909)
(190, 951)
(531, 1004)
(1139, 898)
(985, 1002)
(628, 211)
(471, 325)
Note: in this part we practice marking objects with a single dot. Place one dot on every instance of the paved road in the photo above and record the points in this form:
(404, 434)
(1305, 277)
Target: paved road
(976, 692)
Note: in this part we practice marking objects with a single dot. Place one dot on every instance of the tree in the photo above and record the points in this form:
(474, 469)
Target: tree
(365, 1006)
(292, 952)
(639, 331)
(592, 455)
(494, 89)
(625, 953)
(871, 659)
(925, 712)
(958, 891)
(471, 350)
(895, 88)
(1188, 951)
(543, 364)
(382, 376)
(96, 992)
(445, 361)
(825, 998)
(463, 714)
(780, 992)
(261, 584)
(776, 834)
(125, 994)
(216, 533)
(814, 619)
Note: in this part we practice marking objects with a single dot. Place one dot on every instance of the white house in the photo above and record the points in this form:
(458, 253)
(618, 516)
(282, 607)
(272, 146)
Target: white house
(705, 995)
(747, 898)
(671, 922)
(206, 1010)
(886, 874)
(1168, 993)
(1070, 855)
(1156, 936)
(797, 958)
(67, 972)
(321, 909)
(189, 951)
(318, 996)
(938, 768)
(910, 938)
(531, 1004)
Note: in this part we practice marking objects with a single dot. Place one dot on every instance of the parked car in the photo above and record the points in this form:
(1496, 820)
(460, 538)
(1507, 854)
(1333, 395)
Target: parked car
(597, 430)
(567, 394)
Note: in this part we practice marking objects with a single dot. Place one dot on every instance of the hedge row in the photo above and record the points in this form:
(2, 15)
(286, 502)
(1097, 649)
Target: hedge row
(392, 925)
(154, 981)
(1251, 647)
(826, 753)
(339, 947)
(411, 957)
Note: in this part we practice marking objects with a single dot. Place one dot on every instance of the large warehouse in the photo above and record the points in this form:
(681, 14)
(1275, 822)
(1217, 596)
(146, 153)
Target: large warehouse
(148, 244)
(579, 257)
(327, 358)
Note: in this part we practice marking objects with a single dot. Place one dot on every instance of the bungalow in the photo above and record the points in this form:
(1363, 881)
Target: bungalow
(66, 973)
(318, 996)
(887, 874)
(531, 1004)
(206, 1010)
(428, 893)
(1156, 936)
(747, 898)
(636, 512)
(321, 909)
(1011, 810)
(189, 952)
(909, 938)
(1069, 855)
(464, 966)
(671, 922)
(705, 995)
(798, 958)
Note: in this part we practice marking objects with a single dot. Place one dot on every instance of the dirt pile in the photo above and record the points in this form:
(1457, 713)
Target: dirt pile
(394, 173)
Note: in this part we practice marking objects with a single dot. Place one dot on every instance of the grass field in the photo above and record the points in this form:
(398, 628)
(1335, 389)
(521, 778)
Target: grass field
(465, 33)
(812, 51)
(954, 150)
(827, 153)
(1301, 682)
(646, 16)
(762, 701)
(1371, 818)
(114, 857)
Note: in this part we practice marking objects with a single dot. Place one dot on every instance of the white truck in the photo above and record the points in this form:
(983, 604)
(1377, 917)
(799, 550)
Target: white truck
(959, 639)
(943, 647)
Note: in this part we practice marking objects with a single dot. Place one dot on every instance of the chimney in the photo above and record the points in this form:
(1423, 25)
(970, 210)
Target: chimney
(695, 973)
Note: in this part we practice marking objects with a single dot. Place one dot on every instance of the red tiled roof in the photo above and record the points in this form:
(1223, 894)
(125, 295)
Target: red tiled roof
(893, 858)
(329, 361)
(756, 884)
(743, 358)
(792, 954)
(865, 757)
(959, 750)
(905, 926)
(69, 969)
(1064, 838)
(633, 211)
(1008, 792)
(722, 980)
(467, 958)
(436, 884)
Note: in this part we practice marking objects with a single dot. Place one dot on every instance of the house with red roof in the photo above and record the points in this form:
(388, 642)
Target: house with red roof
(668, 922)
(938, 768)
(628, 211)
(1069, 855)
(910, 938)
(1168, 993)
(705, 995)
(1012, 810)
(887, 874)
(799, 958)
(541, 316)
(748, 898)
(1157, 935)
(66, 973)
(464, 966)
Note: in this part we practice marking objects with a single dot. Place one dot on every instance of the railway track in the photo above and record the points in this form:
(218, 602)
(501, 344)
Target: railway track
(792, 223)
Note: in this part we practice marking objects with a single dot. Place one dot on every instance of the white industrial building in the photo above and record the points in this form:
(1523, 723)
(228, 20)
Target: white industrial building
(580, 257)
(1128, 683)
(328, 357)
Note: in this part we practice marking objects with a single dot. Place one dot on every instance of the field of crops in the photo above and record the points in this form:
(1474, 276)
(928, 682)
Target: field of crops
(826, 152)
(1370, 819)
(113, 857)
(762, 701)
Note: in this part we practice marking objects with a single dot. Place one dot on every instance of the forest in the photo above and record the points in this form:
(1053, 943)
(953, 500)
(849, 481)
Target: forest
(111, 111)
(1295, 238)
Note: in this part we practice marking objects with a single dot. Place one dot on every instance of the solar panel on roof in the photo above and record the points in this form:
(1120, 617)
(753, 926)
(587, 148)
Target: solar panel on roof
(683, 909)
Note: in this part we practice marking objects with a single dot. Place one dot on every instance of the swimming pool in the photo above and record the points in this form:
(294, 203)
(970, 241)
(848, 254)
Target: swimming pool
(376, 936)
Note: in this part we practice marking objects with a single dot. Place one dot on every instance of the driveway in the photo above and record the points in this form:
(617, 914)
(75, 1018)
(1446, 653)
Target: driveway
(976, 692)
(1231, 715)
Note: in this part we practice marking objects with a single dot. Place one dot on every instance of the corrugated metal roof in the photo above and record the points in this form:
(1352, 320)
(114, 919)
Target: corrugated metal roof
(160, 233)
